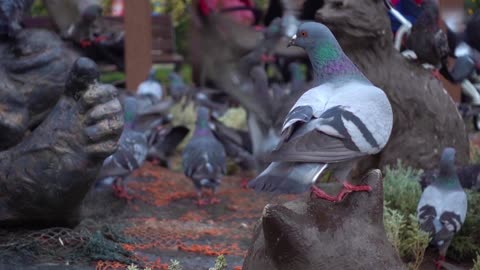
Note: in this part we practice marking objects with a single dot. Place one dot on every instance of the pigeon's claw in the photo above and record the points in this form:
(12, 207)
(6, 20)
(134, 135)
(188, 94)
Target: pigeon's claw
(439, 262)
(322, 194)
(214, 200)
(120, 190)
(349, 188)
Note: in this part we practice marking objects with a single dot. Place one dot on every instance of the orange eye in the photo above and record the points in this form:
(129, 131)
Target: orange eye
(304, 34)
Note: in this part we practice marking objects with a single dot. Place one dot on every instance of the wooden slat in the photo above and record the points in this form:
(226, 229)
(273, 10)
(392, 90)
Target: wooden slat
(138, 41)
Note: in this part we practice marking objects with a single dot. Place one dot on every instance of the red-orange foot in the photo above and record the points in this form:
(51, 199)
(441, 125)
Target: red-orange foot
(436, 74)
(322, 194)
(244, 183)
(203, 202)
(120, 190)
(349, 188)
(214, 200)
(439, 262)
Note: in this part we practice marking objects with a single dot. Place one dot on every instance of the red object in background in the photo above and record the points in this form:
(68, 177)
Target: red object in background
(118, 8)
(242, 16)
(395, 2)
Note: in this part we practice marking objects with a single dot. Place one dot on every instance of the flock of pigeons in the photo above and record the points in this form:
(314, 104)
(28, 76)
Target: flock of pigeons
(338, 118)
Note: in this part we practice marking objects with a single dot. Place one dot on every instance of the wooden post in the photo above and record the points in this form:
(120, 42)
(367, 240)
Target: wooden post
(138, 41)
(453, 9)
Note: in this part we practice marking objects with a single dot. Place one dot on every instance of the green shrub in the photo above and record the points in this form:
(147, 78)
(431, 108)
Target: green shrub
(402, 189)
(476, 263)
(175, 265)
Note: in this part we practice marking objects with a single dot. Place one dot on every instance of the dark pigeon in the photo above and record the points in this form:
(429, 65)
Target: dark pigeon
(443, 206)
(178, 87)
(427, 40)
(11, 14)
(204, 158)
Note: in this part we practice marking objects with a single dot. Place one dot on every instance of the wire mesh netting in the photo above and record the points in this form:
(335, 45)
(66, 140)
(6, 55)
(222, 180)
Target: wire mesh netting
(161, 223)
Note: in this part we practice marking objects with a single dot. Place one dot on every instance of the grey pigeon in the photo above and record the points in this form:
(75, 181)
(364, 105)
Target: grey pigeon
(130, 155)
(204, 158)
(332, 125)
(151, 87)
(427, 40)
(443, 206)
(469, 177)
(178, 87)
(298, 78)
(11, 14)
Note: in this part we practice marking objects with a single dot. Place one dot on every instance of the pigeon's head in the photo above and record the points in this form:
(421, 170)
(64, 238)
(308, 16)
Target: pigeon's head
(310, 35)
(152, 74)
(203, 113)
(448, 155)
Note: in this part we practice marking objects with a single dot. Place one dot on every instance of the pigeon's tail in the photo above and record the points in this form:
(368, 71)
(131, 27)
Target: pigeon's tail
(287, 177)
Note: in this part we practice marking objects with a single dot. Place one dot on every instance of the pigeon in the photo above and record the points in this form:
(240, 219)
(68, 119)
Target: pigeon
(443, 206)
(332, 125)
(427, 40)
(130, 155)
(178, 87)
(204, 158)
(11, 14)
(151, 87)
(163, 143)
(469, 177)
(298, 78)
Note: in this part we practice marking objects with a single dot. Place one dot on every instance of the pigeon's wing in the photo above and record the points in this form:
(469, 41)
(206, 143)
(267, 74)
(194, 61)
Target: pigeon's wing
(204, 153)
(341, 131)
(441, 45)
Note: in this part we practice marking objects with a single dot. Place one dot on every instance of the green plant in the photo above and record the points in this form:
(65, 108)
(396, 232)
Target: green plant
(132, 267)
(415, 243)
(402, 189)
(474, 154)
(220, 263)
(394, 223)
(476, 263)
(175, 265)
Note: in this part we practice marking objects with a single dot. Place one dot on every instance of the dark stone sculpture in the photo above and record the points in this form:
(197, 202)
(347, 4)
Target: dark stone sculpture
(57, 125)
(311, 234)
(425, 117)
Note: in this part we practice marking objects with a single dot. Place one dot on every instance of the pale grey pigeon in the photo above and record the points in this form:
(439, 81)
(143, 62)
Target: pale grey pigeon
(443, 206)
(204, 158)
(130, 155)
(178, 87)
(151, 87)
(340, 120)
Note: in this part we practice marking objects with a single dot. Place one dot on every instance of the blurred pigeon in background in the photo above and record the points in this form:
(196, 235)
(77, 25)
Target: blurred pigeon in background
(332, 125)
(11, 14)
(443, 206)
(163, 143)
(204, 158)
(427, 39)
(469, 177)
(131, 154)
(178, 87)
(298, 79)
(151, 86)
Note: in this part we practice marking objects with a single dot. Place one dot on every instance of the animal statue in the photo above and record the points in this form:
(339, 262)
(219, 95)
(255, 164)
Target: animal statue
(341, 119)
(443, 206)
(58, 126)
(426, 119)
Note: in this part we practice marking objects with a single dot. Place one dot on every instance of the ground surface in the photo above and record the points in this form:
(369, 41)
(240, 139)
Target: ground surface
(160, 223)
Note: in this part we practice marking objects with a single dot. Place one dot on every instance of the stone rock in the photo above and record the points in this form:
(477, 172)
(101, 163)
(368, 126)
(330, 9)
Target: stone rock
(311, 234)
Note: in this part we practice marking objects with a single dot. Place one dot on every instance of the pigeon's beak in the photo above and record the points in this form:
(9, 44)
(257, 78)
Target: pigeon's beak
(292, 41)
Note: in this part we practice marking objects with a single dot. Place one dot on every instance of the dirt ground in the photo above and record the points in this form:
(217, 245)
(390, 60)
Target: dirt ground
(161, 222)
